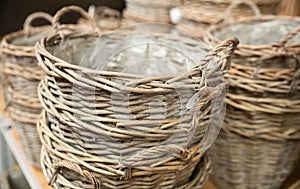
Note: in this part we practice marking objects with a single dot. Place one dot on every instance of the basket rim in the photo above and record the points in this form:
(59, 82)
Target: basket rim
(58, 67)
(13, 49)
(41, 48)
(259, 2)
(264, 18)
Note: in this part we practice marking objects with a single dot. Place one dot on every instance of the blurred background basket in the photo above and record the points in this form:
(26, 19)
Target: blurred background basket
(106, 125)
(148, 11)
(105, 18)
(198, 15)
(259, 144)
(21, 77)
(296, 185)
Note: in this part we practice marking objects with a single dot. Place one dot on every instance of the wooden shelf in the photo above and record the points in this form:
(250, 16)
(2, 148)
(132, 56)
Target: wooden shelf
(34, 175)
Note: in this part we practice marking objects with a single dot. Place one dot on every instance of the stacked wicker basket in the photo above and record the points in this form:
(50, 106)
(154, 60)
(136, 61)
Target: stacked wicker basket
(21, 76)
(148, 11)
(198, 15)
(105, 18)
(109, 128)
(260, 140)
(104, 128)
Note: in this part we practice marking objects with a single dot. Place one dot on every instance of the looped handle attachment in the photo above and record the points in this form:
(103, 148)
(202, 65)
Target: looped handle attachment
(56, 20)
(282, 43)
(222, 52)
(229, 15)
(35, 16)
(75, 168)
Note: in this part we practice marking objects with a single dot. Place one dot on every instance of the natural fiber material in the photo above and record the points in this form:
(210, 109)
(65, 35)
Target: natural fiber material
(21, 78)
(105, 18)
(198, 15)
(125, 130)
(149, 11)
(60, 167)
(259, 144)
(296, 185)
(289, 8)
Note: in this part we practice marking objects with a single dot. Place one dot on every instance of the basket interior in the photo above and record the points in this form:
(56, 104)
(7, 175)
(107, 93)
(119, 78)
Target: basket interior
(259, 33)
(136, 53)
(29, 39)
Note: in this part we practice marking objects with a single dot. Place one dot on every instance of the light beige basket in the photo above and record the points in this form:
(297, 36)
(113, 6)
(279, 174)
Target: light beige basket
(21, 78)
(105, 18)
(198, 15)
(148, 11)
(296, 185)
(259, 144)
(86, 128)
(62, 171)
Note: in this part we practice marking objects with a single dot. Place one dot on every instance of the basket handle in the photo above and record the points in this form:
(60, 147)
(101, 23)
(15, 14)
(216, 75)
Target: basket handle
(282, 43)
(34, 16)
(228, 13)
(77, 169)
(222, 52)
(56, 19)
(171, 151)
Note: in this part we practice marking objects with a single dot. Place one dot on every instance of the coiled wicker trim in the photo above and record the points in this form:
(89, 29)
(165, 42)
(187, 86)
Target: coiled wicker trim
(259, 143)
(21, 78)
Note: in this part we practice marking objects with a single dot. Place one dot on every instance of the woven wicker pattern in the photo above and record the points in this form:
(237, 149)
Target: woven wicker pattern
(21, 78)
(198, 15)
(59, 164)
(260, 140)
(117, 143)
(148, 11)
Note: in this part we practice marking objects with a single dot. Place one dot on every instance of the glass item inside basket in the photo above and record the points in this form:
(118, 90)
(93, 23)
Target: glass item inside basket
(260, 33)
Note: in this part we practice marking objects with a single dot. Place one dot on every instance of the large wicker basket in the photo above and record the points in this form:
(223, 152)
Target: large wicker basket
(106, 125)
(259, 144)
(198, 15)
(21, 78)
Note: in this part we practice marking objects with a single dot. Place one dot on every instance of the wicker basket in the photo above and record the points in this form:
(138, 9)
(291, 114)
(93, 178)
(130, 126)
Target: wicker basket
(198, 15)
(52, 162)
(296, 185)
(105, 18)
(259, 144)
(90, 129)
(21, 78)
(148, 11)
